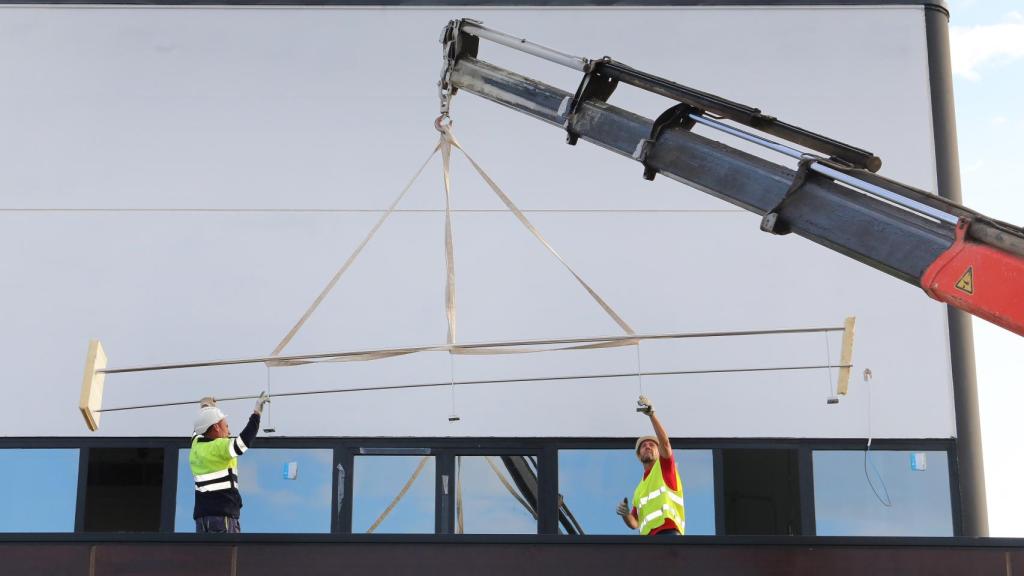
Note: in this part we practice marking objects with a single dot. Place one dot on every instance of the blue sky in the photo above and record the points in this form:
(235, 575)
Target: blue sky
(987, 40)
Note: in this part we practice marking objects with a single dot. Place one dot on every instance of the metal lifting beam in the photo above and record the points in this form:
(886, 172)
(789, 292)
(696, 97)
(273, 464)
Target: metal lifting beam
(872, 231)
(837, 202)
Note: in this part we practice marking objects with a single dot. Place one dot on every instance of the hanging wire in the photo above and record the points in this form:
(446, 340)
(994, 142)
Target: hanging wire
(639, 373)
(453, 416)
(268, 428)
(832, 398)
(885, 500)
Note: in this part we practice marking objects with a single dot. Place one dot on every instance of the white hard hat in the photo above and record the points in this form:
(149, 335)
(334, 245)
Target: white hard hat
(641, 440)
(208, 416)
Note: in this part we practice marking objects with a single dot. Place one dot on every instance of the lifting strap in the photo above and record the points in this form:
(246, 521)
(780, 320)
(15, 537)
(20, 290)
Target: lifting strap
(352, 258)
(446, 135)
(511, 490)
(445, 144)
(401, 494)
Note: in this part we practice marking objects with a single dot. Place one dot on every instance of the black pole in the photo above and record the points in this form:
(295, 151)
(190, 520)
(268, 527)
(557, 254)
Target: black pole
(970, 461)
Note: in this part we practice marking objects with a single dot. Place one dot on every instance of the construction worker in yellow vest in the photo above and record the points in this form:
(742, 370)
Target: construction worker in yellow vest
(658, 499)
(214, 462)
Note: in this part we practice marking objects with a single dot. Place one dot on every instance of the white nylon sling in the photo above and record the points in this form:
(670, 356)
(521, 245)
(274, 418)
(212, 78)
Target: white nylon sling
(444, 145)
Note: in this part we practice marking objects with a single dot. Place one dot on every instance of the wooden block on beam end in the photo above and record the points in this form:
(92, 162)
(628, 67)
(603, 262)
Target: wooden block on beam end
(92, 385)
(846, 356)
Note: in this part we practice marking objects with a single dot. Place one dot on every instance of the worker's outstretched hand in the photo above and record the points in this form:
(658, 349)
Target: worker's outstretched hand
(644, 406)
(623, 508)
(261, 401)
(207, 401)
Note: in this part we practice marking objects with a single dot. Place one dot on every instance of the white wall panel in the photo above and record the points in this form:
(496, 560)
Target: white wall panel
(320, 110)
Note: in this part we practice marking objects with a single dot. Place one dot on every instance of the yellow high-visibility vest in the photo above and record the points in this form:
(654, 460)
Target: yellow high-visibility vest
(655, 501)
(214, 463)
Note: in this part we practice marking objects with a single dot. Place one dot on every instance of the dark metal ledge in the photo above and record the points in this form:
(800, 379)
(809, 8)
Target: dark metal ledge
(257, 554)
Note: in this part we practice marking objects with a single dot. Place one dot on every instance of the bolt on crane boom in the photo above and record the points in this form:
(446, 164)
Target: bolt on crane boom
(833, 198)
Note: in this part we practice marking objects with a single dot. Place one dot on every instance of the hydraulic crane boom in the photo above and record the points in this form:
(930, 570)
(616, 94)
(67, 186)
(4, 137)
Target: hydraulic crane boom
(834, 197)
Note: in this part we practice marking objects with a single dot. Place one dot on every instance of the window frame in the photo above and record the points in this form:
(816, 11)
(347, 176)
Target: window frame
(545, 449)
(949, 447)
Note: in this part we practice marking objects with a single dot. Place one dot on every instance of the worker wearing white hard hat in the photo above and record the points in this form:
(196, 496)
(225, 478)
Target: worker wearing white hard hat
(213, 458)
(658, 499)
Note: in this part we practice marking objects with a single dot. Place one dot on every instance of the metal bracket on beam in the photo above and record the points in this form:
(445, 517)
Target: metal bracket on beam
(595, 86)
(772, 221)
(678, 115)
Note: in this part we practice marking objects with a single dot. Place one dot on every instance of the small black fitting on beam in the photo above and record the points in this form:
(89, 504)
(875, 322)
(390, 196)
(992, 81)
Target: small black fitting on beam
(679, 116)
(595, 85)
(772, 222)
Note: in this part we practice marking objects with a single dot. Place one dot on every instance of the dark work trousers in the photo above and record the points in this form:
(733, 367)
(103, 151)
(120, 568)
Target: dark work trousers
(217, 525)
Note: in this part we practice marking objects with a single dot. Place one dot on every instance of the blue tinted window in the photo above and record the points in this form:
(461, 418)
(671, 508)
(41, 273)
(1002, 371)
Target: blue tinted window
(38, 490)
(917, 490)
(487, 500)
(283, 490)
(593, 482)
(377, 483)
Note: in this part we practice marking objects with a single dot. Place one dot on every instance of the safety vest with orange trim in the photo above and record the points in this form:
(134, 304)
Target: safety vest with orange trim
(655, 502)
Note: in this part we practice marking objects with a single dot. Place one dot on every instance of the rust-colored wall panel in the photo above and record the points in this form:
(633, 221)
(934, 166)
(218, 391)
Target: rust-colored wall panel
(172, 559)
(45, 558)
(1013, 562)
(842, 561)
(539, 559)
(396, 557)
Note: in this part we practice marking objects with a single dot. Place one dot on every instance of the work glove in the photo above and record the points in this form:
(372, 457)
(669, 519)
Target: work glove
(263, 399)
(644, 406)
(207, 401)
(623, 508)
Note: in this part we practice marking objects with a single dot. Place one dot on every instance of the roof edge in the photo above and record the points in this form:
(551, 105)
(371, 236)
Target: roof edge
(941, 5)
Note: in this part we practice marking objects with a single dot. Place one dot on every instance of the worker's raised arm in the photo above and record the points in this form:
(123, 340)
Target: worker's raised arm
(241, 444)
(645, 406)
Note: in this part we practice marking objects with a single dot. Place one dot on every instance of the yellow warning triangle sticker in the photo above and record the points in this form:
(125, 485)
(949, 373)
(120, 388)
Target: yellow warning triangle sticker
(966, 282)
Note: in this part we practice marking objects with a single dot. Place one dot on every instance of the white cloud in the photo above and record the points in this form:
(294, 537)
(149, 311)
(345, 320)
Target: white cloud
(973, 47)
(999, 120)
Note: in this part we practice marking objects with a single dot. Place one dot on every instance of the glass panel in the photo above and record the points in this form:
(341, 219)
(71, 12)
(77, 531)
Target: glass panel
(486, 504)
(283, 490)
(378, 483)
(38, 490)
(761, 492)
(124, 490)
(915, 484)
(593, 482)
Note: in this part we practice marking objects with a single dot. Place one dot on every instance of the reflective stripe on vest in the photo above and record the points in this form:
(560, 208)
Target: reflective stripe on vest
(655, 502)
(213, 475)
(214, 481)
(237, 448)
(215, 487)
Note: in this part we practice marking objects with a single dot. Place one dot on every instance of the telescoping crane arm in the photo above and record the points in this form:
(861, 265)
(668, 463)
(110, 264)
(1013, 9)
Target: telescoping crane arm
(834, 197)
